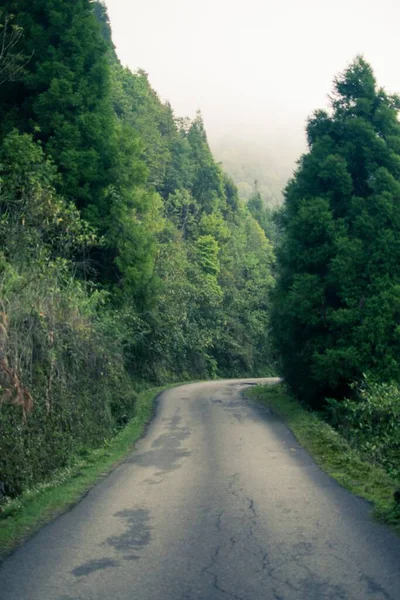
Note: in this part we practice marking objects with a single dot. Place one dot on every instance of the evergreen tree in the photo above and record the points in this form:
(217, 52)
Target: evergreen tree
(207, 185)
(63, 99)
(264, 216)
(336, 312)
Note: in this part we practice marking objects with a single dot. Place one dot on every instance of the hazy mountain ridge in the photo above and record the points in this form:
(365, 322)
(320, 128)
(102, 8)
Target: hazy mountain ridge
(247, 162)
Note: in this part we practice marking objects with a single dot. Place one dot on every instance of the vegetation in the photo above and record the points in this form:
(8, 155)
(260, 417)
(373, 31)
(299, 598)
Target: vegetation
(22, 516)
(256, 164)
(127, 259)
(336, 302)
(371, 423)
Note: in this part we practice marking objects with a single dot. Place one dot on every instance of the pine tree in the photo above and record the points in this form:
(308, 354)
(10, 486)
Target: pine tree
(336, 310)
(207, 184)
(63, 99)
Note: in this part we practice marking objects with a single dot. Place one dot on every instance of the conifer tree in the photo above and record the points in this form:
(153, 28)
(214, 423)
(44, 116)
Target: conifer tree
(63, 99)
(337, 304)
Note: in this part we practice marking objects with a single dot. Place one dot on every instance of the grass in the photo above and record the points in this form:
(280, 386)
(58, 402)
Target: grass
(333, 453)
(23, 516)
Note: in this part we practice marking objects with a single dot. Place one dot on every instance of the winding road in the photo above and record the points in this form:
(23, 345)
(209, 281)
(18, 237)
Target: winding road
(218, 502)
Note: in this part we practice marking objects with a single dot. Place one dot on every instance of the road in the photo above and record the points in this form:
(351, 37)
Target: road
(219, 502)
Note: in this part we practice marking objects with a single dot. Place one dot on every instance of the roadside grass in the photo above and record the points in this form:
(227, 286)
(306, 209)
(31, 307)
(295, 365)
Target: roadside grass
(21, 517)
(333, 453)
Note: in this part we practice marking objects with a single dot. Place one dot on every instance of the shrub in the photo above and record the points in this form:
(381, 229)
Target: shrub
(371, 422)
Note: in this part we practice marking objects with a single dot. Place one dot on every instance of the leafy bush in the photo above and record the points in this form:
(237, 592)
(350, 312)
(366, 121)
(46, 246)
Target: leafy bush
(63, 382)
(371, 422)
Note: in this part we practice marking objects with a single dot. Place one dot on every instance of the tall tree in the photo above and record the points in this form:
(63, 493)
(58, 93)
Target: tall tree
(63, 99)
(207, 185)
(336, 310)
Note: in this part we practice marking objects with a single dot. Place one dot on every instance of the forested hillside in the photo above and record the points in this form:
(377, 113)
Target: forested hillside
(254, 164)
(129, 260)
(126, 259)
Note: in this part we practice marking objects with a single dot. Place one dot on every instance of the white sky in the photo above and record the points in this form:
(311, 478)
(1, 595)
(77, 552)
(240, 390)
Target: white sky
(258, 68)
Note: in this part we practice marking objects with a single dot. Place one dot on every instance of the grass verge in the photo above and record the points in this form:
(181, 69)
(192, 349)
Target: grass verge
(23, 516)
(333, 453)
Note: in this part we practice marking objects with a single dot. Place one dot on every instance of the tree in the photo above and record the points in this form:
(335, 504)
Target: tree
(264, 216)
(12, 61)
(244, 341)
(100, 11)
(207, 185)
(336, 312)
(63, 99)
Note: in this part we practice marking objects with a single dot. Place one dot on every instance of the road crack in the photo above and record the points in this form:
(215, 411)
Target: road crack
(251, 506)
(210, 569)
(224, 591)
(218, 522)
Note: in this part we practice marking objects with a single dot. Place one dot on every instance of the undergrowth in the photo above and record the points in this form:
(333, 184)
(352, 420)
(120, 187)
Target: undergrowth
(22, 516)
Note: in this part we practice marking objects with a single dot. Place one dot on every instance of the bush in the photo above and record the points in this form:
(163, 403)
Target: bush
(63, 383)
(371, 422)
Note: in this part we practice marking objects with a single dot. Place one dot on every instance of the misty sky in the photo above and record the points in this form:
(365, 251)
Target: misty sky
(255, 68)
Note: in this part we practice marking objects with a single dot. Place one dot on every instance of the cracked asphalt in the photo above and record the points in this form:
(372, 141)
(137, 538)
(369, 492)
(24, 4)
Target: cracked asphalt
(218, 502)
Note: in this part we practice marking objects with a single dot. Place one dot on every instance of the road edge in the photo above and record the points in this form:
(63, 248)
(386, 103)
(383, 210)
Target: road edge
(333, 454)
(24, 516)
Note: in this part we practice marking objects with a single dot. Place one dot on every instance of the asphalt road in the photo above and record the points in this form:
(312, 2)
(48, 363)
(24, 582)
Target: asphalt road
(218, 502)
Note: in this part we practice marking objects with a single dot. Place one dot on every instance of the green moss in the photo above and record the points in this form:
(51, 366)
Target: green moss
(333, 453)
(23, 516)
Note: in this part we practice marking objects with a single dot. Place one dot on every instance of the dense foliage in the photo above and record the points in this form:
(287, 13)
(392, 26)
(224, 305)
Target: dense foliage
(336, 308)
(127, 257)
(371, 422)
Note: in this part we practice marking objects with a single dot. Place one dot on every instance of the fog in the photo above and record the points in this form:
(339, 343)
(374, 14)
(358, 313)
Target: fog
(255, 69)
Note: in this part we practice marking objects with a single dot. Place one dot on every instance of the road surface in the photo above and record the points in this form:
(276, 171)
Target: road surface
(219, 502)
